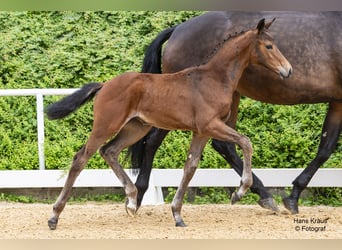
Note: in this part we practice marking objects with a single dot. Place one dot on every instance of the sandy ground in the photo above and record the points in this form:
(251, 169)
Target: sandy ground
(110, 221)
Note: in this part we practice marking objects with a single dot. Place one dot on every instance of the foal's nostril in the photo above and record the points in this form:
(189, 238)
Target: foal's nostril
(290, 72)
(285, 73)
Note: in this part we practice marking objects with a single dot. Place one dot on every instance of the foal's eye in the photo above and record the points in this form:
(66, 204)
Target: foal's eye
(269, 46)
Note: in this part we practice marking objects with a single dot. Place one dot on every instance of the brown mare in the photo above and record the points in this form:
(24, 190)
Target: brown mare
(197, 99)
(311, 41)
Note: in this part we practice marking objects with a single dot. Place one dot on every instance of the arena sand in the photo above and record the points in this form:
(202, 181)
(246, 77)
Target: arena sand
(110, 221)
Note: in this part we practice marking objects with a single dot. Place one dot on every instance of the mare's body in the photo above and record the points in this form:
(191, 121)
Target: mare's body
(312, 42)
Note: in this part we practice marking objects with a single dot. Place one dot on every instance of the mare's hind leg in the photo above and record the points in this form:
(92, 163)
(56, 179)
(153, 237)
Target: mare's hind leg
(129, 134)
(194, 155)
(330, 134)
(151, 142)
(79, 161)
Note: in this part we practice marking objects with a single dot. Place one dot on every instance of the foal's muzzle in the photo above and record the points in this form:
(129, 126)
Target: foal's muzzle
(285, 72)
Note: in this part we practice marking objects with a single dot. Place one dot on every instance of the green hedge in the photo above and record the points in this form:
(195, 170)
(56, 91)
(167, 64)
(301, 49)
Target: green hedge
(69, 49)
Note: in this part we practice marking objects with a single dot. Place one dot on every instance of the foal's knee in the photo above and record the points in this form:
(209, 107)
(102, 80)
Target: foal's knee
(192, 163)
(246, 145)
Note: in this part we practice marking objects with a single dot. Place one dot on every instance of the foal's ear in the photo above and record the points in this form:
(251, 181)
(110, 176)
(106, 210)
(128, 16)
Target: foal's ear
(267, 25)
(261, 25)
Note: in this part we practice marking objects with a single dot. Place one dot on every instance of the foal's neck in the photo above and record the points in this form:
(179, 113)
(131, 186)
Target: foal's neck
(234, 56)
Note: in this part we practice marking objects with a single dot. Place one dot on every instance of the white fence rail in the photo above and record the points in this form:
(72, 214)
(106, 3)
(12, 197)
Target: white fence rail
(328, 177)
(325, 177)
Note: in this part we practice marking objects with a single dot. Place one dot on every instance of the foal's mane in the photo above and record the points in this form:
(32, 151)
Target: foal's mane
(220, 45)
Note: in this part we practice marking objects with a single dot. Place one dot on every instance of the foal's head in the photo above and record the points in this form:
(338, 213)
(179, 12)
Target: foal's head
(266, 53)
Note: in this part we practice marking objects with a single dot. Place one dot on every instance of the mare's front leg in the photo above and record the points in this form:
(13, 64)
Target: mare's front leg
(194, 155)
(129, 134)
(143, 156)
(330, 133)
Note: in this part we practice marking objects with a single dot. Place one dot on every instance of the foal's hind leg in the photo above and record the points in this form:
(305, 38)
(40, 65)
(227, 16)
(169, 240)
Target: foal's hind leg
(194, 155)
(129, 134)
(79, 161)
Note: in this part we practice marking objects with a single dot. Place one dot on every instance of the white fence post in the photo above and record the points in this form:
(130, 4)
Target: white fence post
(40, 130)
(39, 94)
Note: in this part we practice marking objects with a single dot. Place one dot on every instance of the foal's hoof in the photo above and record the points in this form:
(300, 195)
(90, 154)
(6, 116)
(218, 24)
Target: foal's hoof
(235, 198)
(53, 223)
(269, 203)
(130, 210)
(291, 205)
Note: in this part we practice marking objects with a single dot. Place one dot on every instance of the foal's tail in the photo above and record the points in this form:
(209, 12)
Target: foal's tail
(151, 64)
(71, 103)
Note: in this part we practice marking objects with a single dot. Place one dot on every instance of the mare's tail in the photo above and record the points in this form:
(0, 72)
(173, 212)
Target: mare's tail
(71, 103)
(151, 64)
(152, 59)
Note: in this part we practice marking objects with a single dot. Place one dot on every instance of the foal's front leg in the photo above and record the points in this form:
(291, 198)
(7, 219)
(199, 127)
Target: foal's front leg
(133, 131)
(219, 130)
(194, 155)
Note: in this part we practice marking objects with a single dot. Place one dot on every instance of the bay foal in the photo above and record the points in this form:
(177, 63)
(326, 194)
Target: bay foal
(197, 99)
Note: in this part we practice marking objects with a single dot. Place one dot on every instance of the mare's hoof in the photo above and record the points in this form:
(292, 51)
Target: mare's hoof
(180, 224)
(235, 198)
(291, 205)
(53, 223)
(269, 203)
